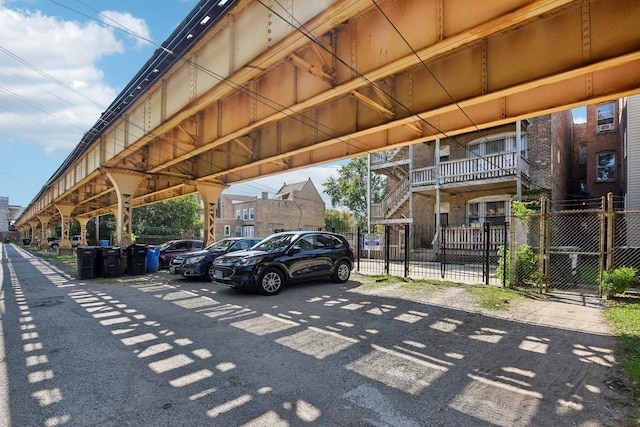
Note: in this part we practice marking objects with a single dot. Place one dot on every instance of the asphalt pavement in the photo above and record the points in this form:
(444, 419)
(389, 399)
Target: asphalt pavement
(157, 350)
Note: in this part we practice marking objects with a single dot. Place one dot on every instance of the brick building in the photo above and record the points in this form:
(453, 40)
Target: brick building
(465, 180)
(597, 166)
(296, 206)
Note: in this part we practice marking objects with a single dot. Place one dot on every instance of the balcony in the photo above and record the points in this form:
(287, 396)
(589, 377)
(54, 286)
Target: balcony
(493, 167)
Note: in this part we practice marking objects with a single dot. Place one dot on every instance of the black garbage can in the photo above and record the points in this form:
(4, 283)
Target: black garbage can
(136, 259)
(26, 242)
(110, 261)
(87, 262)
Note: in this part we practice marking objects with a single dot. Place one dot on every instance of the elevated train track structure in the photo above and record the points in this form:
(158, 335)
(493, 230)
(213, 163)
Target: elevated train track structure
(250, 88)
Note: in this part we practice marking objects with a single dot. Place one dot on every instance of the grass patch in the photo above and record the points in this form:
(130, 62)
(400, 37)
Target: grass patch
(382, 280)
(494, 298)
(67, 263)
(624, 318)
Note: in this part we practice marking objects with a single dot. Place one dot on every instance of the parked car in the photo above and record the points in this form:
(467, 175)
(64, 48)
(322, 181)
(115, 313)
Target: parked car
(198, 263)
(54, 242)
(173, 248)
(284, 258)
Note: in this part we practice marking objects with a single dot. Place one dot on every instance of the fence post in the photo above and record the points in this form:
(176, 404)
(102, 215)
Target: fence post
(505, 253)
(443, 252)
(406, 250)
(603, 232)
(358, 247)
(387, 247)
(610, 231)
(544, 243)
(487, 242)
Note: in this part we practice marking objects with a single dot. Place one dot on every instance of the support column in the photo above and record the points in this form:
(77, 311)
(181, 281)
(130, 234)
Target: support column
(210, 195)
(34, 232)
(83, 230)
(65, 215)
(44, 219)
(125, 184)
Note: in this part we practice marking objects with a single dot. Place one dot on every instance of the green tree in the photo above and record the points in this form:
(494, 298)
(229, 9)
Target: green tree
(350, 188)
(338, 220)
(175, 216)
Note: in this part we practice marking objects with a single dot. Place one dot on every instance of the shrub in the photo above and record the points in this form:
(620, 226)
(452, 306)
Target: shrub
(526, 265)
(618, 280)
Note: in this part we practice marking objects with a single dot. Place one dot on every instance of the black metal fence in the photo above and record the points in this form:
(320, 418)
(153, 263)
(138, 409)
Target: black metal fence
(458, 254)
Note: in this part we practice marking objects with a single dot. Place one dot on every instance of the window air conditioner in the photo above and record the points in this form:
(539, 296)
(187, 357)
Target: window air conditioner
(605, 127)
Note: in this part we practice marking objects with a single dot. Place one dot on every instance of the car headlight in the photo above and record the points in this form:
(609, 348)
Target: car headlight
(245, 262)
(194, 260)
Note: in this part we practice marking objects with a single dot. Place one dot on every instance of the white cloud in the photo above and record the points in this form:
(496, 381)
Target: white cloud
(135, 28)
(43, 59)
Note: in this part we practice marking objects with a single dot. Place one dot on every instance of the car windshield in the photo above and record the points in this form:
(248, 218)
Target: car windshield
(220, 244)
(275, 243)
(165, 245)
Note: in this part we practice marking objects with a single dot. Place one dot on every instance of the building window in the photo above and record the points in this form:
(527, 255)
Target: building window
(502, 144)
(495, 213)
(247, 231)
(245, 214)
(474, 213)
(492, 211)
(238, 231)
(227, 230)
(238, 214)
(606, 167)
(582, 154)
(606, 113)
(252, 214)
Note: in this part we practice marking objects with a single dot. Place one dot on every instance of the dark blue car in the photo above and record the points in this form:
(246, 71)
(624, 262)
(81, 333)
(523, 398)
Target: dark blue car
(286, 258)
(197, 264)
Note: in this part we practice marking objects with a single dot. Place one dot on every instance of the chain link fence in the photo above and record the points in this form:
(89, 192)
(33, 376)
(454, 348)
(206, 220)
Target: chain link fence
(568, 250)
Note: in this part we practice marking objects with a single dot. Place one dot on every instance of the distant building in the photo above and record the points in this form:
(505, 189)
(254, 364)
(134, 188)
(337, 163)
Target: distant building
(296, 206)
(8, 215)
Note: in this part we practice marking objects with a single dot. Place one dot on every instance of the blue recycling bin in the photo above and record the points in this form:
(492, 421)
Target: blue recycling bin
(104, 243)
(153, 259)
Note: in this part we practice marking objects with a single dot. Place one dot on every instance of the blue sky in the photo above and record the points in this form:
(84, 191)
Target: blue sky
(62, 62)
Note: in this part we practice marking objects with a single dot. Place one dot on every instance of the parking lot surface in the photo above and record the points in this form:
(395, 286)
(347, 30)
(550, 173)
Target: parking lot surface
(165, 351)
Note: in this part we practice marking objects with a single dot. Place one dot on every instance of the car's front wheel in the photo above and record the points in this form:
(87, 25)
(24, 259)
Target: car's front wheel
(271, 282)
(342, 272)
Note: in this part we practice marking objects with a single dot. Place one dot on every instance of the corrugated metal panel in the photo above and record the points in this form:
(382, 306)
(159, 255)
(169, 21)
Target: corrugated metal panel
(633, 150)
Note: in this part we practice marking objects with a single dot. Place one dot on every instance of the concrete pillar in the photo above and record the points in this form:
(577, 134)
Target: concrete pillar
(65, 215)
(125, 184)
(44, 219)
(210, 195)
(83, 230)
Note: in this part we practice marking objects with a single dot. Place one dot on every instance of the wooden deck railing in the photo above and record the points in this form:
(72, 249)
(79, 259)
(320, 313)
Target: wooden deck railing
(471, 169)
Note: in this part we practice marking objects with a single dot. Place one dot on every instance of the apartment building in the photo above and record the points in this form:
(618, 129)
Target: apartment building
(598, 154)
(465, 180)
(297, 206)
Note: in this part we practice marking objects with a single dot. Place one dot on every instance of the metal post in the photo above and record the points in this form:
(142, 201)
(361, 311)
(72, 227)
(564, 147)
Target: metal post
(387, 247)
(406, 250)
(443, 252)
(603, 229)
(505, 254)
(487, 243)
(358, 247)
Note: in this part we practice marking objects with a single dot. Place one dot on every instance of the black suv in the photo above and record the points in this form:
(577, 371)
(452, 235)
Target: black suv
(286, 258)
(197, 264)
